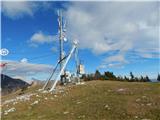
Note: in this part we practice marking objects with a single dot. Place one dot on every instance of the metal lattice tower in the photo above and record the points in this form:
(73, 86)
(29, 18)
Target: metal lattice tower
(61, 37)
(63, 59)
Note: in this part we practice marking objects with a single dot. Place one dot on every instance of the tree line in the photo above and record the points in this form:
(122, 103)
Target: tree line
(110, 76)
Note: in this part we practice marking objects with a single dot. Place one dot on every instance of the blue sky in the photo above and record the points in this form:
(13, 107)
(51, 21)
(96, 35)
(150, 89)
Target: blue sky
(113, 36)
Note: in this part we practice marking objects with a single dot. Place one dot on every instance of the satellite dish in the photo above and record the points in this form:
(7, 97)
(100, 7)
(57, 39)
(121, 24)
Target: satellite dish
(65, 39)
(64, 30)
(75, 42)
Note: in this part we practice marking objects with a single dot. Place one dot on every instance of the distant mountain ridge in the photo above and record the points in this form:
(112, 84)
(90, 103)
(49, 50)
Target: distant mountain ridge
(9, 84)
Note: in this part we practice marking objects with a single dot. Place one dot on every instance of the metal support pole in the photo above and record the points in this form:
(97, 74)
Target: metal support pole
(47, 82)
(60, 19)
(64, 66)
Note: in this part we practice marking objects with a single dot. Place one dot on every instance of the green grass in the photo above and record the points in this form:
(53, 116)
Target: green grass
(96, 100)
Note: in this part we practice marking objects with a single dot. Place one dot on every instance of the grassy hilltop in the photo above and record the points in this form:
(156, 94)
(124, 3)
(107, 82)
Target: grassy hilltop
(95, 100)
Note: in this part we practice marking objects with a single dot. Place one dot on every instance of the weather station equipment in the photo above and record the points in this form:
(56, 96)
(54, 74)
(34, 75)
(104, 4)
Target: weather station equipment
(61, 74)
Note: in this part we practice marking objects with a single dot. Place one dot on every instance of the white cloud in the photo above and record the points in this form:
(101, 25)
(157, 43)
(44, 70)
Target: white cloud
(115, 65)
(27, 70)
(102, 66)
(54, 49)
(33, 45)
(18, 9)
(148, 53)
(13, 9)
(24, 60)
(115, 58)
(104, 27)
(116, 61)
(41, 38)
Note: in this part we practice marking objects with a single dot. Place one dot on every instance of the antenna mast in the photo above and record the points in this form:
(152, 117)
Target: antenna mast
(64, 76)
(61, 52)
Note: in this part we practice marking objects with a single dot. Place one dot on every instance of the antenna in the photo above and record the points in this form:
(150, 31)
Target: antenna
(64, 31)
(60, 38)
(63, 75)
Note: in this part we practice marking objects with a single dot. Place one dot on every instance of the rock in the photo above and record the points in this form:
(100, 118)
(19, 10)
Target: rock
(22, 98)
(5, 113)
(138, 100)
(12, 110)
(45, 91)
(66, 112)
(80, 83)
(35, 102)
(37, 96)
(124, 113)
(61, 91)
(149, 104)
(109, 90)
(136, 117)
(107, 107)
(81, 116)
(79, 102)
(52, 98)
(55, 95)
(39, 90)
(144, 96)
(15, 103)
(120, 90)
(9, 110)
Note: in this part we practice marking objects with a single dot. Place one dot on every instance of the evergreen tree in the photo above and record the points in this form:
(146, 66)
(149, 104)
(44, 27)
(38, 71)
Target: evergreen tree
(97, 75)
(126, 79)
(147, 79)
(141, 79)
(110, 76)
(84, 77)
(158, 77)
(120, 78)
(136, 79)
(132, 77)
